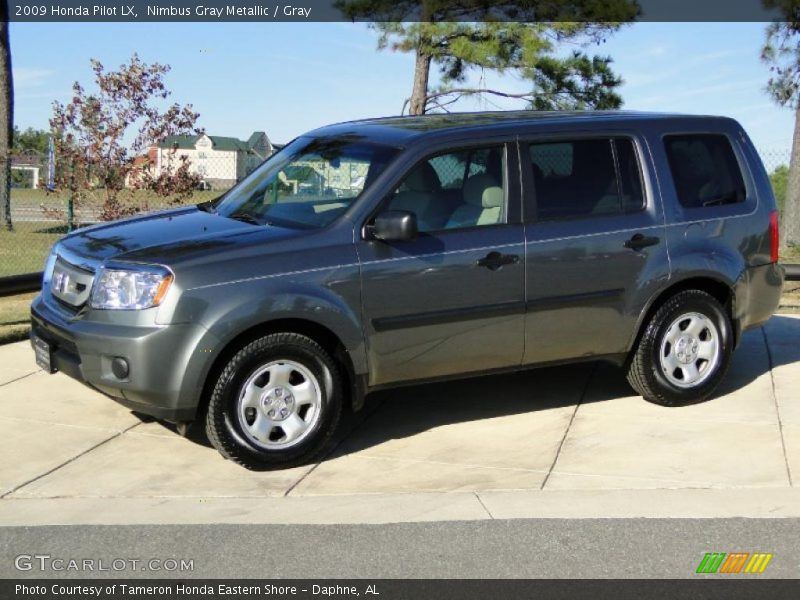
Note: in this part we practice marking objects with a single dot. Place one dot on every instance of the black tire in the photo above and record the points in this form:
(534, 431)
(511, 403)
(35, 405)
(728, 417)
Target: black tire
(223, 426)
(645, 372)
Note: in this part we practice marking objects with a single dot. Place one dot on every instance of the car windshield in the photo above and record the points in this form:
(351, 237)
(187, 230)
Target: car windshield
(308, 184)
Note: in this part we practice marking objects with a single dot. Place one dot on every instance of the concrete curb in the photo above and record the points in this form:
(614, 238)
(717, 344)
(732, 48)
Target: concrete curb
(407, 508)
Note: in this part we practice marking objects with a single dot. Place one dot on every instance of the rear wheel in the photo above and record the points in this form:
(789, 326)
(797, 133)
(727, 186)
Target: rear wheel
(684, 351)
(276, 403)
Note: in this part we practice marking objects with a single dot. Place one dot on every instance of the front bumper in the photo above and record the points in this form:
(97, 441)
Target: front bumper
(168, 363)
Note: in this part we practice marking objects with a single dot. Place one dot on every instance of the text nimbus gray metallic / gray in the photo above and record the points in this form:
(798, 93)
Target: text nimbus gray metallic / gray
(230, 10)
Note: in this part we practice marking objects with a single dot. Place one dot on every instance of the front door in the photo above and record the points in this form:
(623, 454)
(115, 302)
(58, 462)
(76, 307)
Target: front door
(451, 300)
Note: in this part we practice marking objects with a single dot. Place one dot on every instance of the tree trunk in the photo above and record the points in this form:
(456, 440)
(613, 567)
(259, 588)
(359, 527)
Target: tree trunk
(419, 93)
(6, 117)
(790, 218)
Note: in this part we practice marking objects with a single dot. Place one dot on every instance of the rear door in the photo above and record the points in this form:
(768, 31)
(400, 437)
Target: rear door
(452, 300)
(595, 243)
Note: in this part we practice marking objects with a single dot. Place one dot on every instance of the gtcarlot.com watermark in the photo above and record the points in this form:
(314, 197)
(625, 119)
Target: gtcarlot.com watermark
(58, 564)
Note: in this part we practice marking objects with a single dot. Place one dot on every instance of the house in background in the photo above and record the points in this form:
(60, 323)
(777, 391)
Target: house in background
(142, 165)
(219, 161)
(25, 167)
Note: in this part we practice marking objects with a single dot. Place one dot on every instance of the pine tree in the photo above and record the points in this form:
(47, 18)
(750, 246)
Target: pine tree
(523, 37)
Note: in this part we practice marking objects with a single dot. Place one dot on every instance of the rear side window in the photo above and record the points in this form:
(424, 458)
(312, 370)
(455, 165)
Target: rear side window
(705, 170)
(584, 178)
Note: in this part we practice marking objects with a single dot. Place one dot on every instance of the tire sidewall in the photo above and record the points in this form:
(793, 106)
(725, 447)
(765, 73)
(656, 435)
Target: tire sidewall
(687, 303)
(244, 364)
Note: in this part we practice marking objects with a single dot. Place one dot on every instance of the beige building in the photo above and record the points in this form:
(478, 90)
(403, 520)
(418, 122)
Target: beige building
(219, 161)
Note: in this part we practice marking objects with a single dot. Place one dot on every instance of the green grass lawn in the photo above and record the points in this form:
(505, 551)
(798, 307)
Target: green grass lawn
(25, 249)
(15, 315)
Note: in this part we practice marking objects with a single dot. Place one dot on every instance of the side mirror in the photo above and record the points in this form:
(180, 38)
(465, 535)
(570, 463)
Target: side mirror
(394, 226)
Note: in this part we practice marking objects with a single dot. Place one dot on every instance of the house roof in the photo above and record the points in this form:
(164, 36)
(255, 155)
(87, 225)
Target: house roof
(229, 144)
(253, 140)
(27, 158)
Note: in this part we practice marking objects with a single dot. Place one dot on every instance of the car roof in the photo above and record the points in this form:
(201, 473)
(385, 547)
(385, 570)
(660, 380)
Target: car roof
(401, 130)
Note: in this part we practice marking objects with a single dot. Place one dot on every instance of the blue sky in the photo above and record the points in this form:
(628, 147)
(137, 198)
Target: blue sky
(287, 78)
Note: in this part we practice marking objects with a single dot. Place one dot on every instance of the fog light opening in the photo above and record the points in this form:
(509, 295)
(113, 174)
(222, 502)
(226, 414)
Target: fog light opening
(120, 367)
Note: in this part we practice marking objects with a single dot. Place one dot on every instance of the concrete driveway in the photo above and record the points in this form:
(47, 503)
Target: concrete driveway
(565, 441)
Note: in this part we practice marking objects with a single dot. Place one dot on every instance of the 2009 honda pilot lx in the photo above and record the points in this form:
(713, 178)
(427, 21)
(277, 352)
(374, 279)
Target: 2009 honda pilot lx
(379, 252)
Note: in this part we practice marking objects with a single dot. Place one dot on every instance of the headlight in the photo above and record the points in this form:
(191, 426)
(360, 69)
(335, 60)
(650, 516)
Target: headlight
(130, 288)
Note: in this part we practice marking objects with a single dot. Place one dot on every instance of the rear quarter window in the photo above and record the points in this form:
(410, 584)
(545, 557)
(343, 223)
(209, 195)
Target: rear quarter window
(704, 170)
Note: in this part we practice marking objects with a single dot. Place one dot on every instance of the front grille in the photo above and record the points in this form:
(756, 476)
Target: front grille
(70, 284)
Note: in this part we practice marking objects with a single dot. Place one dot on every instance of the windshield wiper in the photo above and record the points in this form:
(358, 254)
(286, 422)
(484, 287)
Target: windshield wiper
(207, 206)
(245, 218)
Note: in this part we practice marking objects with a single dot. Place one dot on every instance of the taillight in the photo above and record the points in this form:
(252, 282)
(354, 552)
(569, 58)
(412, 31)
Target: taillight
(774, 236)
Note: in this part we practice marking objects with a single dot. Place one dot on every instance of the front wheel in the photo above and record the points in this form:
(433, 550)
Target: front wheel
(276, 403)
(684, 352)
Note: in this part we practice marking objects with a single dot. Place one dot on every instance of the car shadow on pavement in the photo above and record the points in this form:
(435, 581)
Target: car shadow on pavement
(783, 335)
(772, 346)
(408, 411)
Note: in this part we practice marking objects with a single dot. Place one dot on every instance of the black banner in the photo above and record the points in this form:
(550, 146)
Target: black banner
(399, 589)
(384, 10)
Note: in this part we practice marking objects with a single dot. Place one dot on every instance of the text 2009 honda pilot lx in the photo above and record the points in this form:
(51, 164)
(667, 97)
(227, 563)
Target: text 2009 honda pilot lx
(379, 252)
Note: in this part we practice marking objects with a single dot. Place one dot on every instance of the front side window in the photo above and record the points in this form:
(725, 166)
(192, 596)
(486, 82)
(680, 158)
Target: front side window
(308, 184)
(584, 178)
(705, 170)
(455, 190)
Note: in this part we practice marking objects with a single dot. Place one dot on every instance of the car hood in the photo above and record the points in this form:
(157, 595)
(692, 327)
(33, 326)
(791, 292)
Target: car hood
(165, 237)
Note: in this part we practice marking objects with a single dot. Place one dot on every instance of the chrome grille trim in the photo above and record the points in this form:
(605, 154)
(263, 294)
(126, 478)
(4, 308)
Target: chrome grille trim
(71, 284)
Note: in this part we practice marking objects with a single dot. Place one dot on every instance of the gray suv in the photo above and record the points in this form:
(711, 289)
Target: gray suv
(382, 252)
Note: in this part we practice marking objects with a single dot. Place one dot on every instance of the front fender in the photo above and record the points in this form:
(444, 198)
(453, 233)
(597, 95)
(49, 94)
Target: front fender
(329, 297)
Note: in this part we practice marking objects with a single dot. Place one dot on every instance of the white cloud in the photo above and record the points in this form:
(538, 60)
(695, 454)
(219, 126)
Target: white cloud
(657, 51)
(672, 96)
(25, 77)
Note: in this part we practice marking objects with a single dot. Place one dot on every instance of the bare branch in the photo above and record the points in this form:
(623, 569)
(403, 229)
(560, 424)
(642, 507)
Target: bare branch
(461, 92)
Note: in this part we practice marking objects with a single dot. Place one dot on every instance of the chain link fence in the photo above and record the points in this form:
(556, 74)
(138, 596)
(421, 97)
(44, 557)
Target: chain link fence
(774, 158)
(776, 161)
(40, 215)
